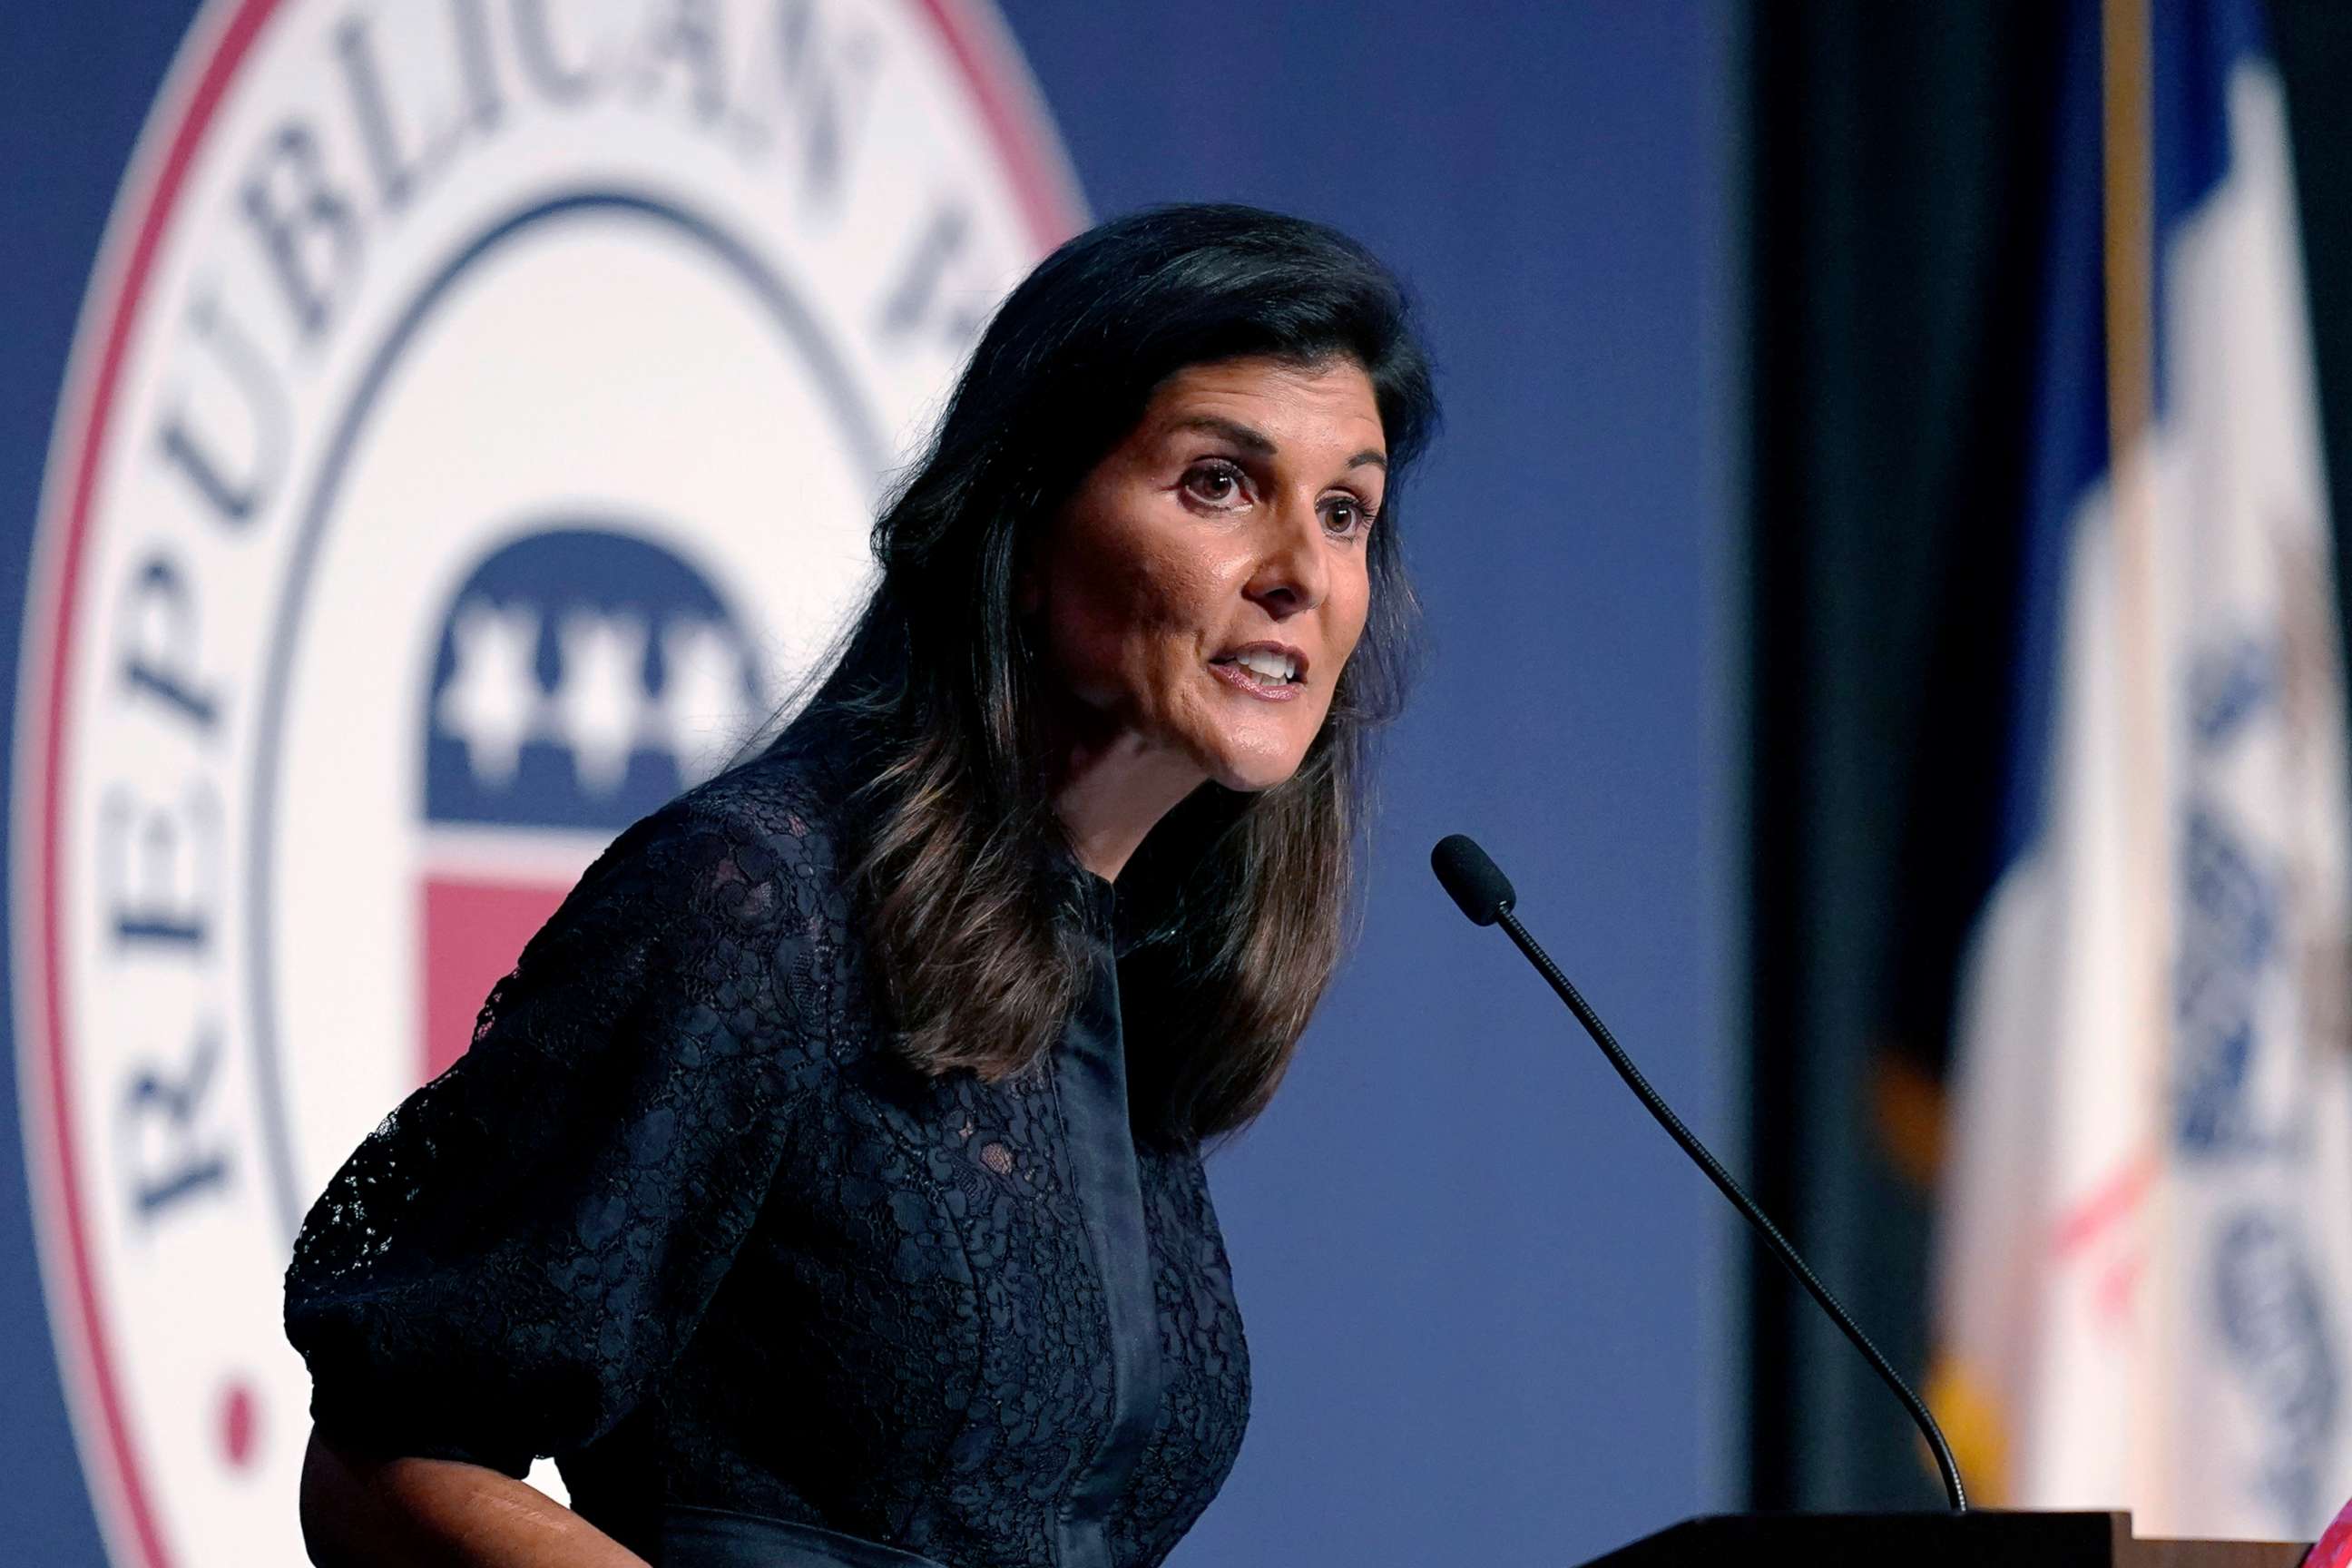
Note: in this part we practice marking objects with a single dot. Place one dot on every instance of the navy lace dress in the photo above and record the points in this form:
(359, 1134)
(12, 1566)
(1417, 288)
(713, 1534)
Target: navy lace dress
(765, 1294)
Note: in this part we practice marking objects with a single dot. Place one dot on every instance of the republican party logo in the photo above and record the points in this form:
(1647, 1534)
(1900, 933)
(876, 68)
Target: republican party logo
(473, 431)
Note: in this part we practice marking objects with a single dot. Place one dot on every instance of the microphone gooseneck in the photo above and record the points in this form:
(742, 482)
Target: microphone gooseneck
(1485, 894)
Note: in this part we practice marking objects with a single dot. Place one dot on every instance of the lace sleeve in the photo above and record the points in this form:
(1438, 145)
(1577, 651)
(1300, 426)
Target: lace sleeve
(505, 1264)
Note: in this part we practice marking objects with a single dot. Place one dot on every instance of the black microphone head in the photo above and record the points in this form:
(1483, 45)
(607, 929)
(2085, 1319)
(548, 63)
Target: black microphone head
(1475, 882)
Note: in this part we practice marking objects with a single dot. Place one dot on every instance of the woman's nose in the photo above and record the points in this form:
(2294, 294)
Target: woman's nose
(1294, 572)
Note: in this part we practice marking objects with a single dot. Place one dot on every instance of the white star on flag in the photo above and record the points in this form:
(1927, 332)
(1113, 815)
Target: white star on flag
(491, 703)
(598, 701)
(701, 706)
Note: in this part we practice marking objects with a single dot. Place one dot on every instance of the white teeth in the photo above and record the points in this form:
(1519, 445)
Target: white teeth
(1272, 666)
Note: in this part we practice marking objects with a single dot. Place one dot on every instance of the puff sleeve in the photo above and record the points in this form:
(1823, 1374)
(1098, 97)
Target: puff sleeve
(507, 1264)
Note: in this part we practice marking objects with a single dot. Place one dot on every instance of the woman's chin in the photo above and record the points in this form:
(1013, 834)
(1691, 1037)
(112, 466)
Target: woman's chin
(1248, 772)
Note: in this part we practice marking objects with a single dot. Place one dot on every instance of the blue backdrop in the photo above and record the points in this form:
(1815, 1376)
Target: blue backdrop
(1491, 1313)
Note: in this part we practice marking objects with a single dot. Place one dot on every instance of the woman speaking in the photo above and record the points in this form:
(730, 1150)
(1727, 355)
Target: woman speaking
(823, 1185)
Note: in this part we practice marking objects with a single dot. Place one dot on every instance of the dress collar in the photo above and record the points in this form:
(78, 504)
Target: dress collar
(1091, 899)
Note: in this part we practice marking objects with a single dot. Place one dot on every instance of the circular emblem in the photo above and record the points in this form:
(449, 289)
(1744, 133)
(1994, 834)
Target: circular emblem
(473, 431)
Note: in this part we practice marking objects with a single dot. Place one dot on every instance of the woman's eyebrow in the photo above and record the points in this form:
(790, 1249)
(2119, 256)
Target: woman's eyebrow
(1258, 445)
(1255, 442)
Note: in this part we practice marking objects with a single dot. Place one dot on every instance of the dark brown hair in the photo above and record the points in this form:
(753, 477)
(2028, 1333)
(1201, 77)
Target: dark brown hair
(1237, 905)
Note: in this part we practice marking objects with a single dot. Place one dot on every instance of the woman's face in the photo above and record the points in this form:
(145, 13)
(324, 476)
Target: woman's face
(1202, 589)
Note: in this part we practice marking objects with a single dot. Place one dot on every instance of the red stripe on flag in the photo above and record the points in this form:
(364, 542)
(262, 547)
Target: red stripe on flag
(2110, 1202)
(473, 934)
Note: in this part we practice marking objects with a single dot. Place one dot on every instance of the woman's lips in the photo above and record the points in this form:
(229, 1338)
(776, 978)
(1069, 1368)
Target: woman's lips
(1242, 678)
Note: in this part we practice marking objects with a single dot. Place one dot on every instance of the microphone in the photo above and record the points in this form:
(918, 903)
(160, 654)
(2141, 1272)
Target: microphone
(1485, 894)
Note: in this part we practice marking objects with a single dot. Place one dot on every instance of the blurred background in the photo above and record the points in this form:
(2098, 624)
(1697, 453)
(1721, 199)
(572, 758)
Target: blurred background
(1883, 612)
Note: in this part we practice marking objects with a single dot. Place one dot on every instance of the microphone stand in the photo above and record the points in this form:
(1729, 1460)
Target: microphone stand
(1777, 1243)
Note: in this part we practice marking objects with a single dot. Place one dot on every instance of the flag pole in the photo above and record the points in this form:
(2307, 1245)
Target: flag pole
(2129, 258)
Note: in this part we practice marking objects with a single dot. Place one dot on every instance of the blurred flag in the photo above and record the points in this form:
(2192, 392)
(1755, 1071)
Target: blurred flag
(2145, 1279)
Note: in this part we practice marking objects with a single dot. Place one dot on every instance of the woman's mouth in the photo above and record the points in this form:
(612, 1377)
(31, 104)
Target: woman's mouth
(1262, 677)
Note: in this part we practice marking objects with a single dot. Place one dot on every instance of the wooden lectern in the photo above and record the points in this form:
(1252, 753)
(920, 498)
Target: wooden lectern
(1989, 1539)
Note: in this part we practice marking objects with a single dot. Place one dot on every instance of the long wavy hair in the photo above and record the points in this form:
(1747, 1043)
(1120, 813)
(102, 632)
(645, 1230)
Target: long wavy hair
(1238, 905)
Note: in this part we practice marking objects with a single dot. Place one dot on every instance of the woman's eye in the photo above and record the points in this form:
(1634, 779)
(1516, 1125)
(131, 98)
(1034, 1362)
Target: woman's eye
(1216, 484)
(1344, 514)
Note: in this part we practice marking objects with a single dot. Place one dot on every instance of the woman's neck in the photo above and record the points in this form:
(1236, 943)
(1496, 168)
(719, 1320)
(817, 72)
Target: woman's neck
(1111, 792)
